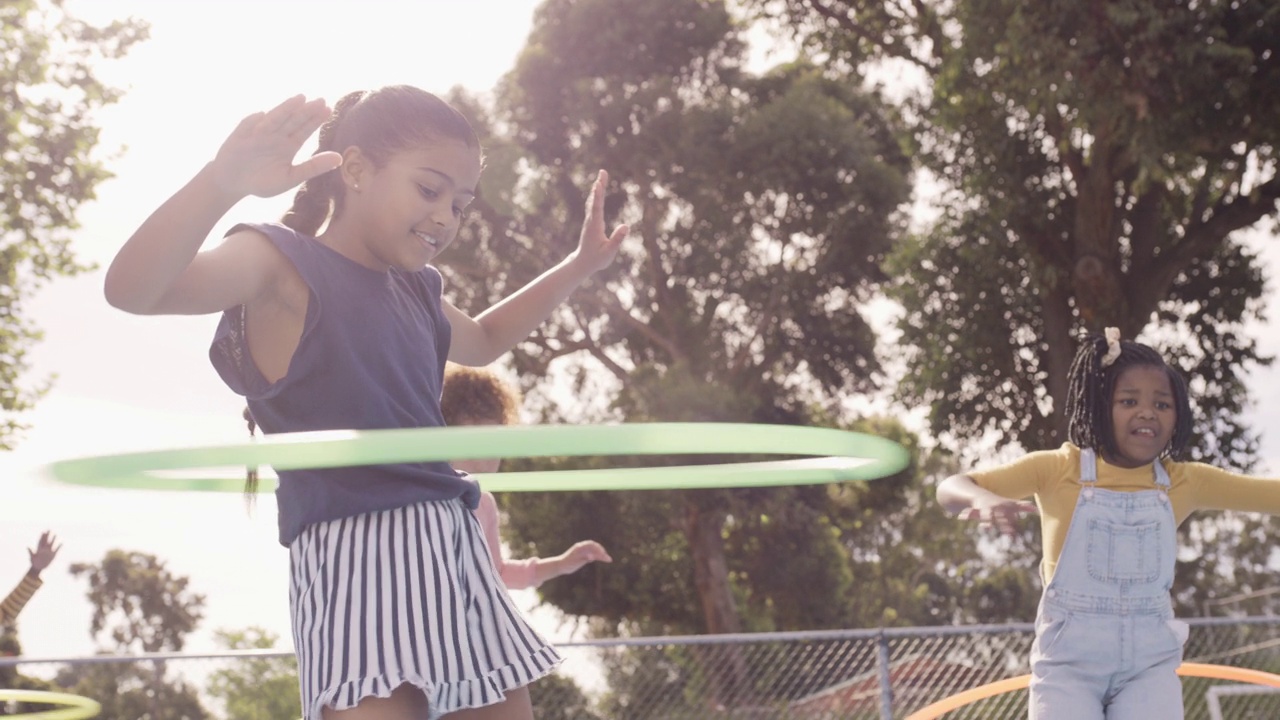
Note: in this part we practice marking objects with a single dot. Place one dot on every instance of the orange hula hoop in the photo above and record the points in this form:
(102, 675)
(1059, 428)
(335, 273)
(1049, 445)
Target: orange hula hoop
(1000, 687)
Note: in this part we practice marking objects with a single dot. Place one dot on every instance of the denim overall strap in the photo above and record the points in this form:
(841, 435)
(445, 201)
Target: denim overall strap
(1089, 470)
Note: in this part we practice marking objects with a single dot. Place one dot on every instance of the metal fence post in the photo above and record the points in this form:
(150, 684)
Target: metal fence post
(886, 680)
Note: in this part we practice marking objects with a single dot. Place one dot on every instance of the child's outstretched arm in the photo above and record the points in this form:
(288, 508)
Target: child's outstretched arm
(44, 553)
(964, 498)
(570, 561)
(158, 271)
(483, 339)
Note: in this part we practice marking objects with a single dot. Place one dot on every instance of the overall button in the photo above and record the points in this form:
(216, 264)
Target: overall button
(1088, 493)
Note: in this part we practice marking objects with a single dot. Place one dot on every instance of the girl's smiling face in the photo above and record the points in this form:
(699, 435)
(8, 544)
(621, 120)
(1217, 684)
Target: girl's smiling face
(1143, 415)
(407, 210)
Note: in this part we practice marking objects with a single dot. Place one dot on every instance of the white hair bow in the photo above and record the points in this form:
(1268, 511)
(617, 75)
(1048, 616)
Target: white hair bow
(1113, 346)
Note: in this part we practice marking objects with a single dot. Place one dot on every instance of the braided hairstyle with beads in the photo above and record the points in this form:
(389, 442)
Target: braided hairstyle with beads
(381, 123)
(1090, 388)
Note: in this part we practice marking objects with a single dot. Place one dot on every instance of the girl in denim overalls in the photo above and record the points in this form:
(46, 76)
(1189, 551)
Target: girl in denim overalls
(1110, 501)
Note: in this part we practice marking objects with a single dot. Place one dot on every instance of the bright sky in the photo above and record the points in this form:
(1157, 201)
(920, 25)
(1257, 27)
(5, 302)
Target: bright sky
(128, 382)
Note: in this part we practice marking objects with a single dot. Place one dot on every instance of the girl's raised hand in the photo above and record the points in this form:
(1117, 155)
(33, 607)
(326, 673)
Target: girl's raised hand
(257, 158)
(596, 249)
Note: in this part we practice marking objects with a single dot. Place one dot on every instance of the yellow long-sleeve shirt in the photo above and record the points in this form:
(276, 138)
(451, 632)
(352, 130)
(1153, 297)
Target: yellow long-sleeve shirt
(17, 599)
(1052, 478)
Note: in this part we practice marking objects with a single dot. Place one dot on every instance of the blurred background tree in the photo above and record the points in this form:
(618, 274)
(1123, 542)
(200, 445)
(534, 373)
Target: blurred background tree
(48, 169)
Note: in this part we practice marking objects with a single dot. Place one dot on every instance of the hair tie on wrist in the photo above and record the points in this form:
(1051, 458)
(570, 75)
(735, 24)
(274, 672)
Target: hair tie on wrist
(1113, 346)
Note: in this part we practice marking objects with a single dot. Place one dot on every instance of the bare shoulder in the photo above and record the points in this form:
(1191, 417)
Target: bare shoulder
(282, 285)
(248, 248)
(244, 269)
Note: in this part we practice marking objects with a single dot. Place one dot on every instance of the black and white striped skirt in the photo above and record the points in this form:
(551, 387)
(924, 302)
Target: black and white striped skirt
(408, 595)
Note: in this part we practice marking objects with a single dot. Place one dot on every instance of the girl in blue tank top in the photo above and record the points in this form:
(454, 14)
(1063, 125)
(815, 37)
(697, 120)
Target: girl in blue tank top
(334, 319)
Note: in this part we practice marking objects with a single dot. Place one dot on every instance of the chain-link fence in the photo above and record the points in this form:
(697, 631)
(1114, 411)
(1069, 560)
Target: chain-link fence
(850, 674)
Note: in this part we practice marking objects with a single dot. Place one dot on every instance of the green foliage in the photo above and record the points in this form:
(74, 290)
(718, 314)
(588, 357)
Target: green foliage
(761, 207)
(556, 697)
(133, 691)
(47, 137)
(1096, 163)
(761, 204)
(138, 603)
(764, 206)
(140, 607)
(256, 688)
(1066, 206)
(641, 678)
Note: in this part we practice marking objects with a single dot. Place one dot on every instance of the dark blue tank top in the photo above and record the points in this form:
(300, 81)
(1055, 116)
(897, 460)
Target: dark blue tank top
(371, 356)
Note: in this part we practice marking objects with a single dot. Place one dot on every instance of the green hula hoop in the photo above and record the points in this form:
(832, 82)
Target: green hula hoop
(843, 456)
(75, 707)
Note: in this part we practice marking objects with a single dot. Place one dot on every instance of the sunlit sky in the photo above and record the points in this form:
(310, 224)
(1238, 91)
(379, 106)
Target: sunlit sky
(125, 382)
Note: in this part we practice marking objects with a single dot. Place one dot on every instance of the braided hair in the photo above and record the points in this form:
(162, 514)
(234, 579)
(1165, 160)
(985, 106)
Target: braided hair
(250, 473)
(381, 123)
(1091, 385)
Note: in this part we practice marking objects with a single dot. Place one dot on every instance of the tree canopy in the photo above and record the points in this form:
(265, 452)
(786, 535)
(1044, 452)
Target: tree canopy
(256, 688)
(763, 204)
(50, 94)
(1097, 162)
(1094, 170)
(138, 606)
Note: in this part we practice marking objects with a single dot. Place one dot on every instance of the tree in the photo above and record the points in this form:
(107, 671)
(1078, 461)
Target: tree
(758, 246)
(50, 93)
(737, 296)
(133, 691)
(557, 697)
(758, 243)
(766, 204)
(256, 688)
(138, 606)
(1098, 161)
